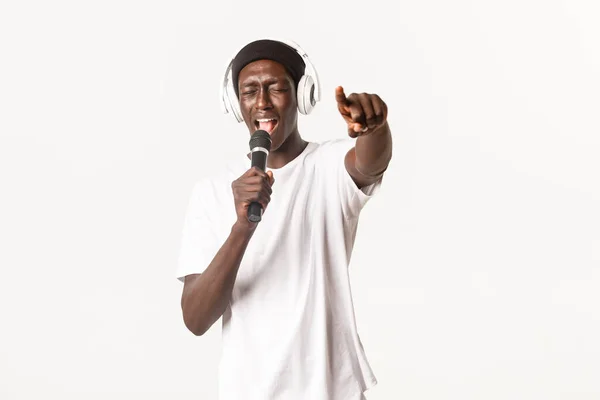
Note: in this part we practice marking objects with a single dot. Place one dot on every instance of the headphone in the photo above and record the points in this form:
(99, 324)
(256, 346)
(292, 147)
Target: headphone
(307, 94)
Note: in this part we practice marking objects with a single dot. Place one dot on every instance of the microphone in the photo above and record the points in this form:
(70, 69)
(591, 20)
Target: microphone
(260, 145)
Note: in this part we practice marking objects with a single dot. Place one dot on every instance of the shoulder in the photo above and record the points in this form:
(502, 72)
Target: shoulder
(213, 185)
(334, 149)
(337, 144)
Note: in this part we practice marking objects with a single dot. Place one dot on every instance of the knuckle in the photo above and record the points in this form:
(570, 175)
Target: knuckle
(357, 108)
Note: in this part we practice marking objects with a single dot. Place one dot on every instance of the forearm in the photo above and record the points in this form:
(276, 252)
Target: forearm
(206, 296)
(374, 151)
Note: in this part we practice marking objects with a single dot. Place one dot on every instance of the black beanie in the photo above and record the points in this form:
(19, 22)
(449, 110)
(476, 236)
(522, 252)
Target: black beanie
(268, 50)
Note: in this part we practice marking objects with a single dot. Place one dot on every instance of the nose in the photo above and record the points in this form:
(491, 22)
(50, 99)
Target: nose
(263, 100)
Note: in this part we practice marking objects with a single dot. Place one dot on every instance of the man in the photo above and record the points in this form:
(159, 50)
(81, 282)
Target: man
(282, 284)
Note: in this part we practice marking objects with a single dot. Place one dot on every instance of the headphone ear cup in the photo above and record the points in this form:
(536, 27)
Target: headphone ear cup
(232, 103)
(306, 94)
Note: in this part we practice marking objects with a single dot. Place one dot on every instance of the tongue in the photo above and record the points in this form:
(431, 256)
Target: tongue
(267, 126)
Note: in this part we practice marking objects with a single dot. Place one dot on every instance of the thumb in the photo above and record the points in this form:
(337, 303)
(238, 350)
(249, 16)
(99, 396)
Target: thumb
(271, 177)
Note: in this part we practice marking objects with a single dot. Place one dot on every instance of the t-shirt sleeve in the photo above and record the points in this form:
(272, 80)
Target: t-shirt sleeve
(199, 243)
(352, 198)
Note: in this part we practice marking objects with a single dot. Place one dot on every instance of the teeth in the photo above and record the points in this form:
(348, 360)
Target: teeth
(265, 119)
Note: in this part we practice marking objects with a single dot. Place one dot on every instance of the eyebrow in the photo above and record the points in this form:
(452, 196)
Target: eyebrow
(270, 81)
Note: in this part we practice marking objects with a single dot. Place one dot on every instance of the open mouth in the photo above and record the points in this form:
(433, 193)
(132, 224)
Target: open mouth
(266, 124)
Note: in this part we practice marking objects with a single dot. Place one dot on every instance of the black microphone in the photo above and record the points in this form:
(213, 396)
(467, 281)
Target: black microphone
(260, 145)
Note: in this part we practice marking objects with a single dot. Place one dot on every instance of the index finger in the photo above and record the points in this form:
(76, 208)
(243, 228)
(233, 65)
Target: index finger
(252, 171)
(340, 96)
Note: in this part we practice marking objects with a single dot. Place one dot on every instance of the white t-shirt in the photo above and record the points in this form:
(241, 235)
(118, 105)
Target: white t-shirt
(289, 331)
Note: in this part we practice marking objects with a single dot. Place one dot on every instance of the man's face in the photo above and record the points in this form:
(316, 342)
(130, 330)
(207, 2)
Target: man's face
(268, 100)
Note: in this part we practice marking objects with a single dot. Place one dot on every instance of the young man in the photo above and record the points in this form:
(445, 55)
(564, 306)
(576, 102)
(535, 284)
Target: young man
(282, 284)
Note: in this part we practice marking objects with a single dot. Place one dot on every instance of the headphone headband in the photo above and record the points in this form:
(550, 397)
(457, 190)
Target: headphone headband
(307, 62)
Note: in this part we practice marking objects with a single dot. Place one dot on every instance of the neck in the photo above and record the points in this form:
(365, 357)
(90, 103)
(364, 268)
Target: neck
(289, 150)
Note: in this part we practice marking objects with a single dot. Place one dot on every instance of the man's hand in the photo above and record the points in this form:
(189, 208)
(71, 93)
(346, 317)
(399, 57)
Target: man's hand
(253, 185)
(363, 112)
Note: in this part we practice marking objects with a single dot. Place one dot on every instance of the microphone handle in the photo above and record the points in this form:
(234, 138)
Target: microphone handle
(259, 159)
(254, 212)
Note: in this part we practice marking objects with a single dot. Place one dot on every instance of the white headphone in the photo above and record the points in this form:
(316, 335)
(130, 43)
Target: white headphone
(308, 93)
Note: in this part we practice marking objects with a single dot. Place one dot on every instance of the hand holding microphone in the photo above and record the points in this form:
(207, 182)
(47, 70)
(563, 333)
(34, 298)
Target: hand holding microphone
(252, 191)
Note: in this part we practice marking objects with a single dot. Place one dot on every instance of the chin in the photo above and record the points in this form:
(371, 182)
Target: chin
(275, 144)
(278, 140)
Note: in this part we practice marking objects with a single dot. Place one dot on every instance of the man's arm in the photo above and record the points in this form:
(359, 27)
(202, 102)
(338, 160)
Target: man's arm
(206, 296)
(366, 116)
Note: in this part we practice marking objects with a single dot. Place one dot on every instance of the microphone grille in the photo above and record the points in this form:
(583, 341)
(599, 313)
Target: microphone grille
(260, 138)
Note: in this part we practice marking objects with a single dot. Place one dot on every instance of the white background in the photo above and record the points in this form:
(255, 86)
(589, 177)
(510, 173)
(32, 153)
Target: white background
(476, 270)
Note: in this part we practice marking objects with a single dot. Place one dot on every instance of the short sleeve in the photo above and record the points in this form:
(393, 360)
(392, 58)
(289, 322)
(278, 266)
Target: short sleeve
(199, 243)
(352, 198)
